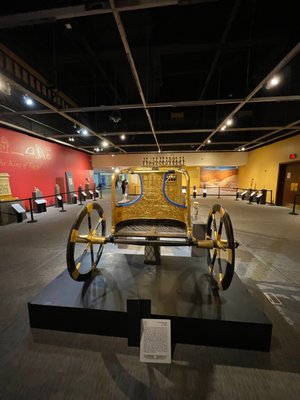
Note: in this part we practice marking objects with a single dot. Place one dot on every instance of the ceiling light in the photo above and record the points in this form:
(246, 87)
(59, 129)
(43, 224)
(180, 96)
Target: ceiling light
(71, 139)
(208, 141)
(27, 100)
(113, 168)
(229, 122)
(117, 170)
(68, 26)
(115, 116)
(123, 137)
(159, 150)
(84, 132)
(104, 143)
(96, 149)
(243, 148)
(273, 82)
(223, 128)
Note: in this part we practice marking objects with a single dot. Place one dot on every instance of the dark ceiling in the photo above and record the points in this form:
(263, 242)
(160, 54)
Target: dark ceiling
(167, 74)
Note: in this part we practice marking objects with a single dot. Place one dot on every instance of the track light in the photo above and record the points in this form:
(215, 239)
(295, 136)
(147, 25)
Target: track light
(273, 82)
(27, 100)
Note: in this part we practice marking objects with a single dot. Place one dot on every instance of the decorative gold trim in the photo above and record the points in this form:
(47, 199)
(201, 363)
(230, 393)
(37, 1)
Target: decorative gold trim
(74, 235)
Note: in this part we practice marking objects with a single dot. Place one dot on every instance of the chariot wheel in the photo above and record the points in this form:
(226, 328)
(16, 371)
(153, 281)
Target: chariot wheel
(85, 243)
(221, 258)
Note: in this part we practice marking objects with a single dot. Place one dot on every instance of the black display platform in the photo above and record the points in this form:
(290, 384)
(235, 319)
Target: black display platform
(178, 289)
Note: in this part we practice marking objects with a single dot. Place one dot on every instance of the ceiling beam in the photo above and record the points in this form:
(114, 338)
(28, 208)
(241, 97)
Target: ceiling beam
(172, 104)
(292, 125)
(130, 59)
(49, 105)
(275, 70)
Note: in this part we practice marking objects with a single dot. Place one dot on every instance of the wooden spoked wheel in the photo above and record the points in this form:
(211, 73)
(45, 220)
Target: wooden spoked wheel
(221, 258)
(85, 246)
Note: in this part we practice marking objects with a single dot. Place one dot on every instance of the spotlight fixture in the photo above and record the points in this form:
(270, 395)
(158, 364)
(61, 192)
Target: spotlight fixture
(104, 143)
(113, 168)
(96, 149)
(273, 82)
(243, 149)
(115, 117)
(123, 137)
(223, 128)
(84, 132)
(71, 139)
(159, 150)
(208, 141)
(229, 122)
(117, 170)
(27, 100)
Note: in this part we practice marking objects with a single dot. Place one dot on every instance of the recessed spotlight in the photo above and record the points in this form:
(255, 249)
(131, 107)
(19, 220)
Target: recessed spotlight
(117, 170)
(123, 137)
(27, 100)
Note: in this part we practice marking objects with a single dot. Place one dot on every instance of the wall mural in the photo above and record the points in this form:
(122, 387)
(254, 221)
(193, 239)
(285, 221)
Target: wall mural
(32, 162)
(219, 177)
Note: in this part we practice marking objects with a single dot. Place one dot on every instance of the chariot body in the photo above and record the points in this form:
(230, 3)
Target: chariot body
(156, 212)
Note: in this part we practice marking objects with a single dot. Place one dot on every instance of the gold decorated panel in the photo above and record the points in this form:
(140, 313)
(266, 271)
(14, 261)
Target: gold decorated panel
(153, 204)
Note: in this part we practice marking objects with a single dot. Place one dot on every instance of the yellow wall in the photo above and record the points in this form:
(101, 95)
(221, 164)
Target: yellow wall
(263, 164)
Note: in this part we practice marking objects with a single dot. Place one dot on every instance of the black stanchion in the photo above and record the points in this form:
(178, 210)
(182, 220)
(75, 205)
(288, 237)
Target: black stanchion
(31, 213)
(294, 205)
(219, 190)
(61, 203)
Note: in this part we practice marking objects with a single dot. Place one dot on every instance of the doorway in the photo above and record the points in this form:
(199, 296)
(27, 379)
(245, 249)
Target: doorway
(288, 185)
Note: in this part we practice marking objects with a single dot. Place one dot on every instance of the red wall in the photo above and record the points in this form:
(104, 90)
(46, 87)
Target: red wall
(32, 162)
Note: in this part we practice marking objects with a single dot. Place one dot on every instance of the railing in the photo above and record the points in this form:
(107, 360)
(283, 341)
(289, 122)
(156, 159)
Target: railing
(58, 196)
(213, 191)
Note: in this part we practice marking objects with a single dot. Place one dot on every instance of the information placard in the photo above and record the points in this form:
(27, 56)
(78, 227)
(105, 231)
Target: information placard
(155, 345)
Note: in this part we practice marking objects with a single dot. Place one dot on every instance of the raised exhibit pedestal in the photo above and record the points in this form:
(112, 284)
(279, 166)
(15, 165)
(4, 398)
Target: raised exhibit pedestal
(178, 290)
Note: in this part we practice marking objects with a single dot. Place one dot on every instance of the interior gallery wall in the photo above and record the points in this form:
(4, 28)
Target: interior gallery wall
(32, 162)
(263, 164)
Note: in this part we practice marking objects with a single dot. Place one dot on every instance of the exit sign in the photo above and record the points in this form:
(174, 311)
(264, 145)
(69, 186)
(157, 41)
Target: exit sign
(293, 156)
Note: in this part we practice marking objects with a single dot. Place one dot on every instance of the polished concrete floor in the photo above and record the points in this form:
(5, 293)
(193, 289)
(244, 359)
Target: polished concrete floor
(40, 364)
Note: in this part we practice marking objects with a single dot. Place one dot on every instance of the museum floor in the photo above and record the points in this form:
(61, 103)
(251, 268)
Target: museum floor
(41, 364)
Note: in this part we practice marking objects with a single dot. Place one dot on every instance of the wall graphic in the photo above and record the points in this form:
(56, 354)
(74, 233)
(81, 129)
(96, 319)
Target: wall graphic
(32, 162)
(224, 177)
